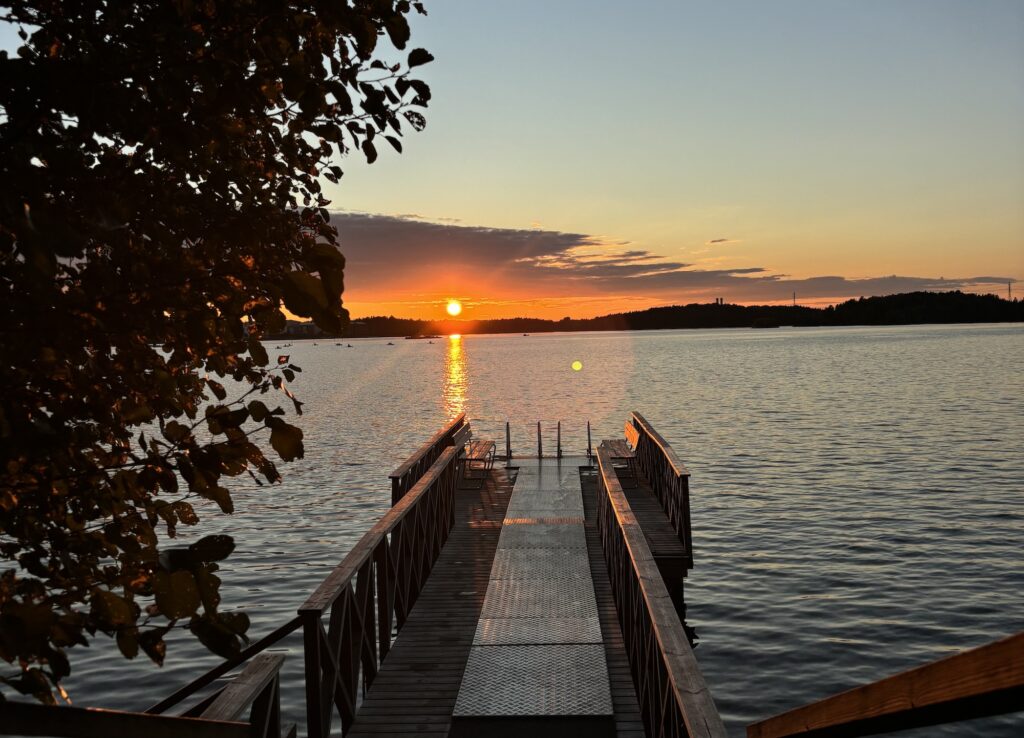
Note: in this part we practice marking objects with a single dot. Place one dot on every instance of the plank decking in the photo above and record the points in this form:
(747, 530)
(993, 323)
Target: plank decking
(416, 689)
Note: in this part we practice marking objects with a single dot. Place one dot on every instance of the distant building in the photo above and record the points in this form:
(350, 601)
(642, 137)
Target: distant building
(301, 329)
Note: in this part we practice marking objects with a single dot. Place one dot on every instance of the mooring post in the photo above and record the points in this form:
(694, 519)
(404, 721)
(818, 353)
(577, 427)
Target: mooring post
(540, 444)
(508, 443)
(590, 454)
(558, 446)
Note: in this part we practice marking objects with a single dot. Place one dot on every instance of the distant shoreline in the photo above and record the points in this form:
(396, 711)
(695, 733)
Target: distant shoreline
(913, 308)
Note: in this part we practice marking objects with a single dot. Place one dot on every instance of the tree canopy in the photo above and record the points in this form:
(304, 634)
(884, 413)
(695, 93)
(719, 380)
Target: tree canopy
(161, 208)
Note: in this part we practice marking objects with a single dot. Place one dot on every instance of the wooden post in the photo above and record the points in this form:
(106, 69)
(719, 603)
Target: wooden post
(508, 443)
(558, 447)
(540, 444)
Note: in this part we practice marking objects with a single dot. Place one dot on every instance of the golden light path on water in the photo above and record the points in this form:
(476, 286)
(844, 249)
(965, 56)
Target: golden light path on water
(455, 377)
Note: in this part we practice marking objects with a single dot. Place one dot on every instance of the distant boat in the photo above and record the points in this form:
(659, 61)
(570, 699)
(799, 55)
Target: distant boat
(390, 344)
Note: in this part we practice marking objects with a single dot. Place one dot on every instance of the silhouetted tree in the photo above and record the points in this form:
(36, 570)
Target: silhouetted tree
(161, 204)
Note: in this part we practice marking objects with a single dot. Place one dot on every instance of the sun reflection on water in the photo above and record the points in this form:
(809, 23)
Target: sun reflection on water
(455, 377)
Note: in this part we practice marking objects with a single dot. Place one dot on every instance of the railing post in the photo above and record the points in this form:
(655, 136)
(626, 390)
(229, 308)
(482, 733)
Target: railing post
(590, 454)
(314, 673)
(558, 447)
(508, 443)
(540, 444)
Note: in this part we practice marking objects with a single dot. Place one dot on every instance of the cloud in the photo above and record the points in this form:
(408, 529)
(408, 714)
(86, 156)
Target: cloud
(410, 260)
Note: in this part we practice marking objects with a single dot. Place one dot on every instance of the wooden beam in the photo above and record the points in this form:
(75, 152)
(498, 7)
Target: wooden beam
(215, 673)
(688, 688)
(673, 459)
(243, 690)
(338, 579)
(449, 428)
(983, 681)
(29, 719)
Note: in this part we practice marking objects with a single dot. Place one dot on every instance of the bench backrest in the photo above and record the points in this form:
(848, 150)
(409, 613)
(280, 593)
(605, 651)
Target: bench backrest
(632, 435)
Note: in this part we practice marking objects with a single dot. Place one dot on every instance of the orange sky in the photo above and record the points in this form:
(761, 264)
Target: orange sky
(411, 267)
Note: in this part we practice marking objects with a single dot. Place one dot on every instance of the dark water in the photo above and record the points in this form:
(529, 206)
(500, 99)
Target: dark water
(857, 492)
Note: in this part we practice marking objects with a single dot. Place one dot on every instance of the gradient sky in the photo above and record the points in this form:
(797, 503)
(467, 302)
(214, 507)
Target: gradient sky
(859, 139)
(584, 157)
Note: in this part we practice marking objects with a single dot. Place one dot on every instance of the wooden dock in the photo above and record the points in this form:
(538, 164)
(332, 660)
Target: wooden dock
(537, 596)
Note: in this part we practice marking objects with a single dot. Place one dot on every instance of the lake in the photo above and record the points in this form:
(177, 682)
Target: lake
(856, 492)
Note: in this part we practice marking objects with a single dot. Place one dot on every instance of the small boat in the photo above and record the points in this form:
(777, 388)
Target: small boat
(390, 344)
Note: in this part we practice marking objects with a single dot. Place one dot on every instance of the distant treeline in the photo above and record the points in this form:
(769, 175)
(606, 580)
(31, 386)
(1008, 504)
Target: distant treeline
(908, 308)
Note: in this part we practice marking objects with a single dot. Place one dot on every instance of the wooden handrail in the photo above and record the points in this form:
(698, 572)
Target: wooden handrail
(668, 477)
(220, 670)
(409, 472)
(369, 595)
(670, 455)
(23, 718)
(674, 699)
(335, 583)
(988, 680)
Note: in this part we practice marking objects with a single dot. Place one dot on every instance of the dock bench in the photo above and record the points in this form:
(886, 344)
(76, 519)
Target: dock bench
(477, 456)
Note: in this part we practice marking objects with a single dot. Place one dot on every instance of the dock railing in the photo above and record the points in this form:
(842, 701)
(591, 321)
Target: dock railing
(406, 475)
(367, 598)
(984, 681)
(674, 699)
(667, 476)
(369, 595)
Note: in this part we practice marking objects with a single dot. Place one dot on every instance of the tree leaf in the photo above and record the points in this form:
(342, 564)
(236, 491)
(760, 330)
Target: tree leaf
(286, 440)
(111, 610)
(418, 57)
(371, 152)
(176, 593)
(213, 548)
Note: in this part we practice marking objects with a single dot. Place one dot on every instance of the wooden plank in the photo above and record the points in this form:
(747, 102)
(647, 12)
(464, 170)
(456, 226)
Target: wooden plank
(416, 687)
(689, 689)
(988, 680)
(241, 691)
(29, 719)
(213, 674)
(446, 430)
(673, 459)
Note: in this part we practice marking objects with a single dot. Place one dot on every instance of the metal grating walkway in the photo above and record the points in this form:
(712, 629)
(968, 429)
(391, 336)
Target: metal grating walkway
(537, 663)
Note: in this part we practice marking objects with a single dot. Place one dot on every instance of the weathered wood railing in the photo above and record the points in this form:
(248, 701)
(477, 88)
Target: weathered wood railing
(406, 475)
(983, 681)
(369, 595)
(22, 718)
(667, 476)
(674, 699)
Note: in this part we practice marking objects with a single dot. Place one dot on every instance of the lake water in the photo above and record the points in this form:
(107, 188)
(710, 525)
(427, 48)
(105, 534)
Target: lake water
(856, 492)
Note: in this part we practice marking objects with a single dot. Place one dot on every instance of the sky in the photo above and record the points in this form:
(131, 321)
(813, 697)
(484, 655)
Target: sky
(586, 157)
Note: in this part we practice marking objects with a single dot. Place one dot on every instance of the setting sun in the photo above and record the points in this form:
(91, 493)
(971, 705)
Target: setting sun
(454, 307)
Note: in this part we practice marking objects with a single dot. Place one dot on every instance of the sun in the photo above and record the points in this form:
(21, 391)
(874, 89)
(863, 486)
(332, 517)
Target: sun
(454, 307)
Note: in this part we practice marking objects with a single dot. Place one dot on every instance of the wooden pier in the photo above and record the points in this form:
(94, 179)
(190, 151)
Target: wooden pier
(537, 596)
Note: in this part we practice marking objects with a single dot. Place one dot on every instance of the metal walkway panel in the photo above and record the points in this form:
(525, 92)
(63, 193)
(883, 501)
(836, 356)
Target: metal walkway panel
(525, 500)
(536, 598)
(539, 563)
(511, 631)
(543, 536)
(562, 680)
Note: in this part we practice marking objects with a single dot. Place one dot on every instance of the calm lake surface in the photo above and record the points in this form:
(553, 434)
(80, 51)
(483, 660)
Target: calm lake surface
(856, 492)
